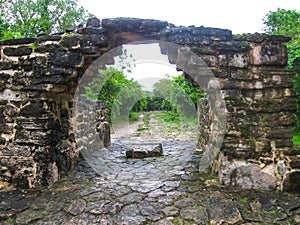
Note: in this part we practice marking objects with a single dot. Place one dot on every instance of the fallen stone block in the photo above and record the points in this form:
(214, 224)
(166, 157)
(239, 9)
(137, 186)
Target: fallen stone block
(144, 150)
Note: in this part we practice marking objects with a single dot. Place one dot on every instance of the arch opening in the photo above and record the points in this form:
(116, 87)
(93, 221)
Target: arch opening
(187, 62)
(38, 85)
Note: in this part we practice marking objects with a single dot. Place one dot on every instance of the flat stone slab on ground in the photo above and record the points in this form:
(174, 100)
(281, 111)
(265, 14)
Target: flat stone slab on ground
(144, 150)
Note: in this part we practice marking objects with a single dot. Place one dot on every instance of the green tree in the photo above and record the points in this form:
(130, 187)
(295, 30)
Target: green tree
(163, 92)
(111, 85)
(177, 93)
(3, 25)
(194, 92)
(27, 18)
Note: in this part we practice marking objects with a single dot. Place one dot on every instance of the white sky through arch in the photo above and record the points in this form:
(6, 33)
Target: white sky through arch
(150, 64)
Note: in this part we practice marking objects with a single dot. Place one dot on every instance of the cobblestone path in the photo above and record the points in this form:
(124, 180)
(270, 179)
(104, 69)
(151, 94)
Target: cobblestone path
(108, 188)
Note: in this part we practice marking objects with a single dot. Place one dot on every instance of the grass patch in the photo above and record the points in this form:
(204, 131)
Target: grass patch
(170, 121)
(134, 116)
(179, 221)
(44, 212)
(168, 116)
(244, 200)
(272, 212)
(296, 139)
(174, 120)
(10, 220)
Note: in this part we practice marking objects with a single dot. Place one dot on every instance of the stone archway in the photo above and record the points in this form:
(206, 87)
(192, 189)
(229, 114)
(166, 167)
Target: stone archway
(39, 77)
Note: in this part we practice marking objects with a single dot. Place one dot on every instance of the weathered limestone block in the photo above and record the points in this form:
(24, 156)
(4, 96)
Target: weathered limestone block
(18, 41)
(4, 80)
(19, 170)
(291, 181)
(48, 38)
(6, 65)
(239, 60)
(245, 174)
(43, 48)
(93, 128)
(93, 22)
(144, 150)
(133, 25)
(18, 51)
(262, 38)
(64, 58)
(204, 122)
(71, 41)
(268, 55)
(102, 124)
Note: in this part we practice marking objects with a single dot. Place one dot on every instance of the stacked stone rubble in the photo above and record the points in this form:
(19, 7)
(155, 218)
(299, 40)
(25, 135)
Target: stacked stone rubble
(38, 82)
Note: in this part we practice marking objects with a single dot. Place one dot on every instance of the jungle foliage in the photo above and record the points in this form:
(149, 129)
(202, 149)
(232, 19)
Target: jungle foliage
(123, 95)
(27, 18)
(127, 95)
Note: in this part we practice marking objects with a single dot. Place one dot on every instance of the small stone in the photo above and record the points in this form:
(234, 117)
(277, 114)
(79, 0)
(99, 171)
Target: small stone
(166, 200)
(185, 202)
(130, 215)
(112, 208)
(223, 212)
(198, 215)
(147, 187)
(174, 184)
(76, 221)
(156, 193)
(76, 207)
(18, 51)
(148, 210)
(291, 181)
(171, 211)
(4, 185)
(128, 219)
(163, 222)
(131, 198)
(29, 216)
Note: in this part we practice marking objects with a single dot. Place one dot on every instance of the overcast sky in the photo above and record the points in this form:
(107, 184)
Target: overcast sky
(240, 16)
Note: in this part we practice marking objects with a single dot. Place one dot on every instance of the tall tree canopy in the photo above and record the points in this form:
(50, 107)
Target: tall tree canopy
(26, 18)
(177, 93)
(112, 85)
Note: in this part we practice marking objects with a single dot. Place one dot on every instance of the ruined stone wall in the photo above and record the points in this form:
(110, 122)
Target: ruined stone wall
(39, 77)
(38, 81)
(257, 148)
(93, 125)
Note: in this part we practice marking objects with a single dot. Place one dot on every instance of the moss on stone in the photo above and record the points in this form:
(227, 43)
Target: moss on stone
(265, 103)
(33, 46)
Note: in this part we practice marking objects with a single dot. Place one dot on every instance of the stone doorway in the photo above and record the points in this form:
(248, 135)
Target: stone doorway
(88, 140)
(41, 75)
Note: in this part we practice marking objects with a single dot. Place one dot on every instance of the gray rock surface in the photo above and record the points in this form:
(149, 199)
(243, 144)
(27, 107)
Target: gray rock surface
(143, 192)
